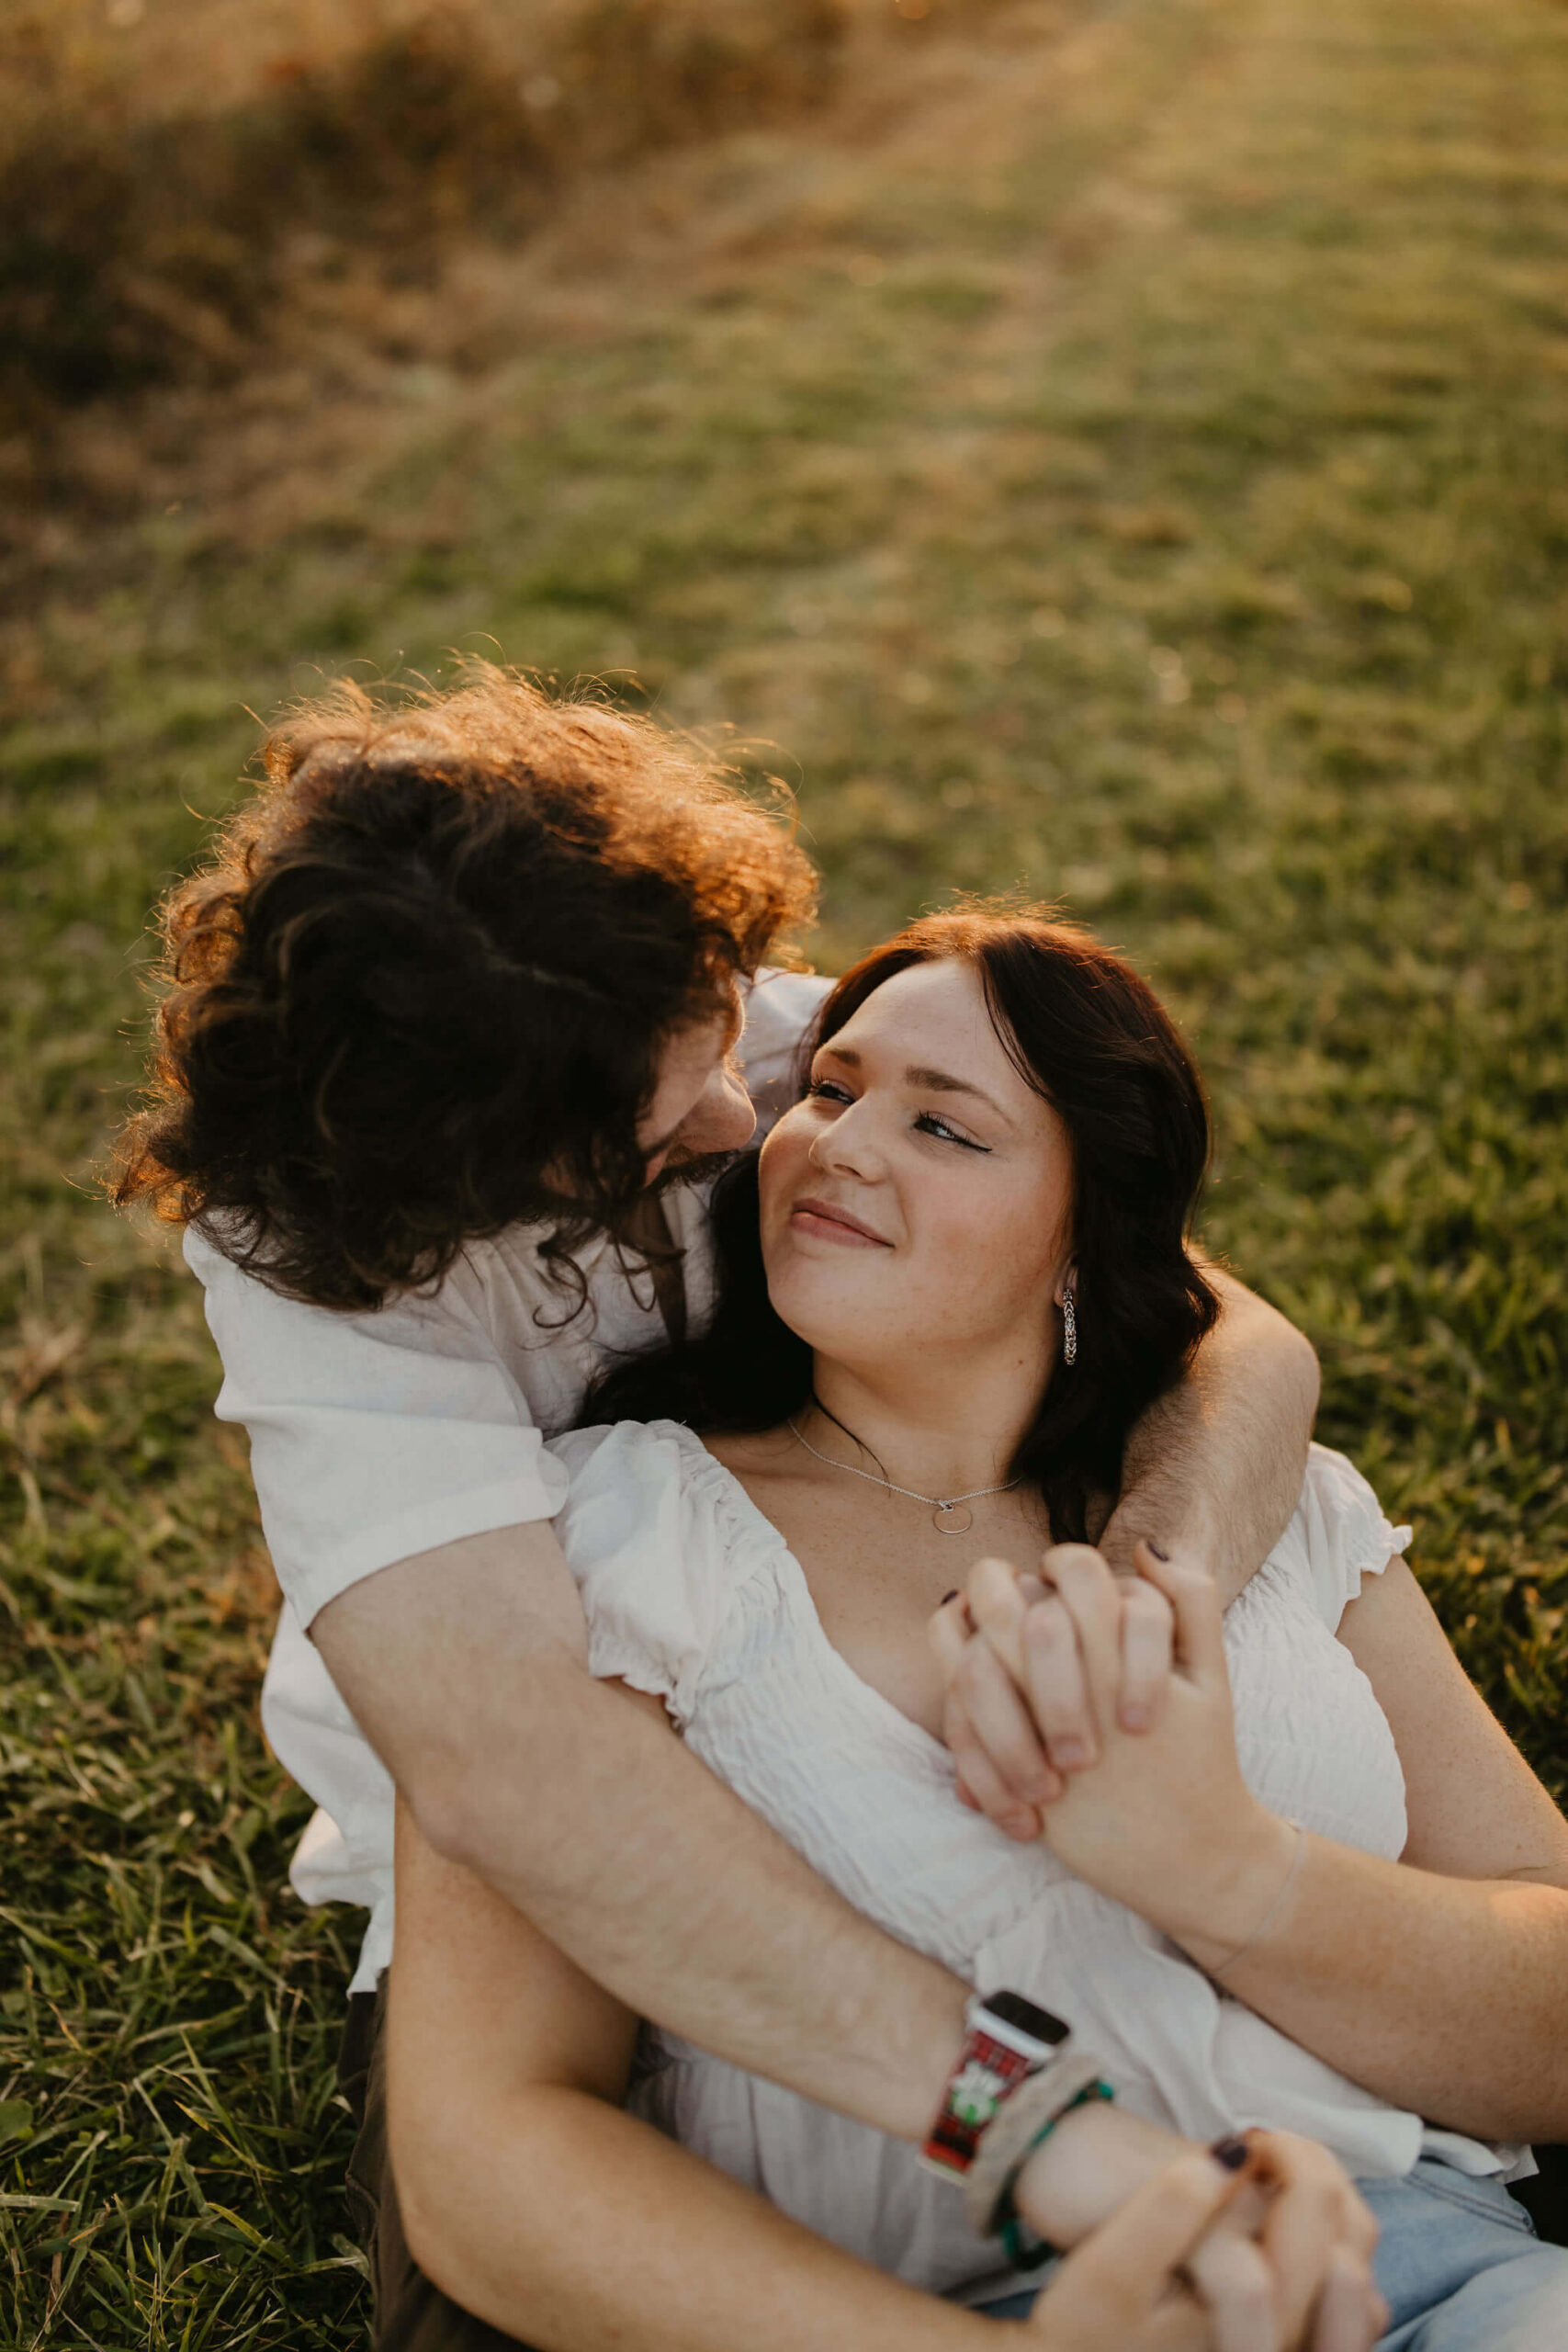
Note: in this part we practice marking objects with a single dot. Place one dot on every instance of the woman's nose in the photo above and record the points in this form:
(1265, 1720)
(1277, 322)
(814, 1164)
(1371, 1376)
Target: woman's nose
(847, 1146)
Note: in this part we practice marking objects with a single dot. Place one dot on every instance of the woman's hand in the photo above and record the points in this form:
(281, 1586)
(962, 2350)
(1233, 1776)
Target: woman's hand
(1161, 1819)
(1274, 2258)
(1014, 1759)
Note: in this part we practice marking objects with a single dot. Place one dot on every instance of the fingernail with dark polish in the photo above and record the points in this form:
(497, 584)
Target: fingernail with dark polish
(1159, 1550)
(1230, 2151)
(947, 1597)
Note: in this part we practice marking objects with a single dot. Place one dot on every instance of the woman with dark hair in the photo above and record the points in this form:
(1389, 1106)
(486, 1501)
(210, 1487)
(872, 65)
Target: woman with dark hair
(903, 1372)
(1092, 1040)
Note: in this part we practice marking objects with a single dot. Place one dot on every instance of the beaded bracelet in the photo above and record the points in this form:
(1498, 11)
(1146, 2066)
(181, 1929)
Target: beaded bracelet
(1028, 2119)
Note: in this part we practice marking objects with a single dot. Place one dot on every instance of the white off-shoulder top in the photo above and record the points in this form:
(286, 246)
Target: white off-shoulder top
(692, 1593)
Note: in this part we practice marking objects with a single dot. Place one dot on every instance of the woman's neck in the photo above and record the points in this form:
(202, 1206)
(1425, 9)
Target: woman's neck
(939, 1428)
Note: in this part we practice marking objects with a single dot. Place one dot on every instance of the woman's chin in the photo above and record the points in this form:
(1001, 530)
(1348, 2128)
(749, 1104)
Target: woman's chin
(829, 1318)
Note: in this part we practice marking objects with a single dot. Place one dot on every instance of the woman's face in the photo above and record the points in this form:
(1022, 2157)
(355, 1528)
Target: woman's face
(920, 1198)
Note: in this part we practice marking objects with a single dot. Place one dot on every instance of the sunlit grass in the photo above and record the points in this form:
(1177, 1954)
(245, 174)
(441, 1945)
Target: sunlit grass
(1149, 489)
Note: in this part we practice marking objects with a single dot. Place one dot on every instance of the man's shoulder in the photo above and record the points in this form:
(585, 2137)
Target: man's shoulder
(239, 1293)
(780, 1009)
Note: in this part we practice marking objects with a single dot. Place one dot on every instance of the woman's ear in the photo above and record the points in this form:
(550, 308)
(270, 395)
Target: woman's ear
(1067, 1284)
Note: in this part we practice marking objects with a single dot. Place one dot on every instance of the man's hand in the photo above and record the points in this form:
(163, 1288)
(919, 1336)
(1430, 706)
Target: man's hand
(1192, 2252)
(1212, 1471)
(1014, 1756)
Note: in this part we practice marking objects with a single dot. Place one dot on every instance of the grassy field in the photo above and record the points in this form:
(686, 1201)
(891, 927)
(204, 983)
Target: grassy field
(1127, 459)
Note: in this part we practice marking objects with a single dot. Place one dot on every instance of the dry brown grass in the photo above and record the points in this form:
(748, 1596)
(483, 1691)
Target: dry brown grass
(159, 215)
(251, 246)
(175, 186)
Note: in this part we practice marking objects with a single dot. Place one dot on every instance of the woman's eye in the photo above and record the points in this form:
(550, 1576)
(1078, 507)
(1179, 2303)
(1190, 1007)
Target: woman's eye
(828, 1089)
(928, 1123)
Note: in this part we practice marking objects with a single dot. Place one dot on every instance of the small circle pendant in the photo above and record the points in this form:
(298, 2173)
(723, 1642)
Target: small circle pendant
(953, 1519)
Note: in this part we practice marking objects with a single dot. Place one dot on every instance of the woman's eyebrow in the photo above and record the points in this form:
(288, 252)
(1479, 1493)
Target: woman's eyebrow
(940, 1082)
(935, 1082)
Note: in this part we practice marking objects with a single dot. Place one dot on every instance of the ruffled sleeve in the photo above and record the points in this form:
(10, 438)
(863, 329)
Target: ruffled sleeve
(648, 1553)
(1340, 1533)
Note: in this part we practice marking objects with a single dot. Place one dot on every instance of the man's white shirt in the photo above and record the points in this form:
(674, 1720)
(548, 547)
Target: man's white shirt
(378, 1436)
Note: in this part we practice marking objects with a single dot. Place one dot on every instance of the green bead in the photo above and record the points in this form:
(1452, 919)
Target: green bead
(974, 2107)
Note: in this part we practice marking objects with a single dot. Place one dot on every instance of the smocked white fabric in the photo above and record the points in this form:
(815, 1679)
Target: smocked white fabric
(692, 1593)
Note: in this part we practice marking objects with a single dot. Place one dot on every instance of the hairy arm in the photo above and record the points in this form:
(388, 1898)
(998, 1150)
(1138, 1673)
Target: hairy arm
(466, 1669)
(531, 2197)
(1213, 1470)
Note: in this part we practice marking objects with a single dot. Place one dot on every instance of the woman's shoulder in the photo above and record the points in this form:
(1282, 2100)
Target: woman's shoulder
(629, 1458)
(663, 1542)
(649, 1441)
(637, 1473)
(649, 1501)
(1337, 1534)
(661, 1453)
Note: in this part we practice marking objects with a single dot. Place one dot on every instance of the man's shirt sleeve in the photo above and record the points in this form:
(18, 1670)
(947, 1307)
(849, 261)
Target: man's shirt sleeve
(780, 1009)
(373, 1437)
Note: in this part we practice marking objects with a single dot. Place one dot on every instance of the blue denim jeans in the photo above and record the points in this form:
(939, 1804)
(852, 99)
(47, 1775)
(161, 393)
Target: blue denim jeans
(1459, 2263)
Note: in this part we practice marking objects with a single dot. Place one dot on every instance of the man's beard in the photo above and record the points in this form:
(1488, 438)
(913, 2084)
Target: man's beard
(691, 1167)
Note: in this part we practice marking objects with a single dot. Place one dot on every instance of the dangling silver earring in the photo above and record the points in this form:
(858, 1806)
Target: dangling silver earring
(1069, 1327)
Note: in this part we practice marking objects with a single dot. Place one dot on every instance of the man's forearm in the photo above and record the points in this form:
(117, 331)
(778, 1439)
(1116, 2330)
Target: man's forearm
(508, 2211)
(670, 1892)
(466, 1669)
(536, 2202)
(1214, 1468)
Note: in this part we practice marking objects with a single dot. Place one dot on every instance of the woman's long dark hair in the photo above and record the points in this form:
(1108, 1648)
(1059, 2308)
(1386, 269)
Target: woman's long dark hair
(1091, 1037)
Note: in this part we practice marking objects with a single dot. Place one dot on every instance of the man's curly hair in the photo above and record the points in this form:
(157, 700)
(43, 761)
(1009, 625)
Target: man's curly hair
(420, 992)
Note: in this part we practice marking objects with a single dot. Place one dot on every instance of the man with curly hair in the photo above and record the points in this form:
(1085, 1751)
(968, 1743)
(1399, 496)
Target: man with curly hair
(448, 1044)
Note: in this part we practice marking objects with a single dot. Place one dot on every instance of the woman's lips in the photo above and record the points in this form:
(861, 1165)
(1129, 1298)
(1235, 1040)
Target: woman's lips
(832, 1224)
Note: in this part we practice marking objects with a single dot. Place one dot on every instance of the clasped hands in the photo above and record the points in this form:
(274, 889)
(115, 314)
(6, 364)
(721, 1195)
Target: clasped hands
(1094, 1711)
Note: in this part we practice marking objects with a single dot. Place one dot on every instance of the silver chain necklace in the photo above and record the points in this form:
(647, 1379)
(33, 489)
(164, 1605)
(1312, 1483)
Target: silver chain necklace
(945, 1511)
